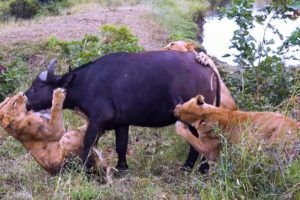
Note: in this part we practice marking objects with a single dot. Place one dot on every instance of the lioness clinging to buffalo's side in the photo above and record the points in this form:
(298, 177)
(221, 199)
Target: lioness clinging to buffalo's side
(269, 127)
(45, 139)
(227, 100)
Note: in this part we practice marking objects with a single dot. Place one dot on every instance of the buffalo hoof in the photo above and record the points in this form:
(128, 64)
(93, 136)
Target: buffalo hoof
(122, 167)
(204, 168)
(186, 168)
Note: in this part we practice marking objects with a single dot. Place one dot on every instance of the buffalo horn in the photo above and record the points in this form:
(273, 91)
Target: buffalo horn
(49, 72)
(51, 66)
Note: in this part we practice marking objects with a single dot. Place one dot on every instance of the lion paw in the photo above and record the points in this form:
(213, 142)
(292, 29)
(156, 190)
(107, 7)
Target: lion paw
(204, 59)
(59, 96)
(181, 126)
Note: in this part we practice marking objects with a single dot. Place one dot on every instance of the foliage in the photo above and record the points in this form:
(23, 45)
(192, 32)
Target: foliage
(24, 9)
(53, 7)
(118, 40)
(4, 11)
(264, 80)
(113, 39)
(27, 9)
(247, 171)
(11, 79)
(178, 17)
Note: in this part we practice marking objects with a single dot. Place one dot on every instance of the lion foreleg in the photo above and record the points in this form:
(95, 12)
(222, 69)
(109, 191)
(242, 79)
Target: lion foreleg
(56, 120)
(204, 145)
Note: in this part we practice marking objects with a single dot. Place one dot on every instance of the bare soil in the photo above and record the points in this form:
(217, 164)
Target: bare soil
(86, 19)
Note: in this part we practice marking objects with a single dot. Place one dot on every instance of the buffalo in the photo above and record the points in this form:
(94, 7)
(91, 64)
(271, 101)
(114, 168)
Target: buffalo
(122, 89)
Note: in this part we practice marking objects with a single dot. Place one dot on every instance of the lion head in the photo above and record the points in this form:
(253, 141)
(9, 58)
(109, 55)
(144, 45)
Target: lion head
(180, 46)
(11, 108)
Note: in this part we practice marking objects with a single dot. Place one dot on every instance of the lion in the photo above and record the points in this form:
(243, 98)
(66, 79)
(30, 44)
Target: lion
(227, 100)
(46, 139)
(268, 127)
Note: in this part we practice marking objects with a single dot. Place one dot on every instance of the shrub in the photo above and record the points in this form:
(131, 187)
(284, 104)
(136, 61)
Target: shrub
(265, 81)
(4, 11)
(52, 7)
(24, 9)
(246, 171)
(11, 79)
(113, 39)
(118, 40)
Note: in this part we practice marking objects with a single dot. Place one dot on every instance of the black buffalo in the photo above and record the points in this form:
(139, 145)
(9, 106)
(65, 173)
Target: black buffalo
(124, 89)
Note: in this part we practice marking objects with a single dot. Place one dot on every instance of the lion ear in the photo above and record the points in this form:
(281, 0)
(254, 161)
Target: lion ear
(190, 47)
(200, 100)
(5, 121)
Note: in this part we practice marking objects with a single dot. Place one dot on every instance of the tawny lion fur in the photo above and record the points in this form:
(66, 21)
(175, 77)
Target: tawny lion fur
(269, 127)
(227, 100)
(46, 140)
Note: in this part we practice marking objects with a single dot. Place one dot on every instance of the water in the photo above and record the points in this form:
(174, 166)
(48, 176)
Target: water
(218, 32)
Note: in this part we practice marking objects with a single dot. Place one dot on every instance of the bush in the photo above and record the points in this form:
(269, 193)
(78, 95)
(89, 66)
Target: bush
(24, 9)
(11, 78)
(265, 81)
(246, 171)
(118, 40)
(4, 11)
(113, 39)
(52, 7)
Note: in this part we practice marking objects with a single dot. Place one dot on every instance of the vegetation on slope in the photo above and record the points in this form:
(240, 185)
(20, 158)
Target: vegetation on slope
(155, 155)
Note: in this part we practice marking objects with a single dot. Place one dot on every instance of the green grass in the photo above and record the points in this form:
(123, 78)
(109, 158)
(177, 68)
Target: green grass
(155, 158)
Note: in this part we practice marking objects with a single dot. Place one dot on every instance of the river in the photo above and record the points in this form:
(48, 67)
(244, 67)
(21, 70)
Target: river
(218, 32)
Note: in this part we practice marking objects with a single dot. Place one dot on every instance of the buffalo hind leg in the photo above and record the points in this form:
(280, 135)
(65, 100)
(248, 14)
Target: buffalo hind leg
(121, 147)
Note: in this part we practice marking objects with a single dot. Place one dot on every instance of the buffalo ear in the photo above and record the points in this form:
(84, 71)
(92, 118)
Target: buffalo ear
(200, 100)
(66, 80)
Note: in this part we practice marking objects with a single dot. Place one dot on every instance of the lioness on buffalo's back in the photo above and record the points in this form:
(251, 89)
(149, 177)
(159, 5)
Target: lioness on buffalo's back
(227, 100)
(124, 89)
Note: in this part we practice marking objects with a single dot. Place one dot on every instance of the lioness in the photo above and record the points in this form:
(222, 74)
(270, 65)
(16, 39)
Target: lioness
(267, 126)
(45, 139)
(227, 100)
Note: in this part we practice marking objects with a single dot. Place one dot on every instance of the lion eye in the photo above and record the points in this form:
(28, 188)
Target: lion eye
(202, 121)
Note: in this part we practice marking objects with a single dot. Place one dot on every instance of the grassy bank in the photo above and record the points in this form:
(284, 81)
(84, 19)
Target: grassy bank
(154, 155)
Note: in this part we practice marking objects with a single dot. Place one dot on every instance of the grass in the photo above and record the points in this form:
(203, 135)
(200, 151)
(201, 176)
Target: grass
(178, 17)
(154, 157)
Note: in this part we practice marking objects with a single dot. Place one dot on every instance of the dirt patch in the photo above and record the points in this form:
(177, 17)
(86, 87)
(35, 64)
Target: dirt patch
(74, 26)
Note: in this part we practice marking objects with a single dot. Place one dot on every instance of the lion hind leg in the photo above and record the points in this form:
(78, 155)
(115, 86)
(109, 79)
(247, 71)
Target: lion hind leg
(101, 161)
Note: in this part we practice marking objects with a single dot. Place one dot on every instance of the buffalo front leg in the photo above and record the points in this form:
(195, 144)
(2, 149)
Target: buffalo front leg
(193, 153)
(121, 147)
(93, 133)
